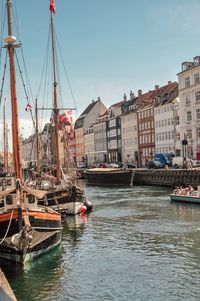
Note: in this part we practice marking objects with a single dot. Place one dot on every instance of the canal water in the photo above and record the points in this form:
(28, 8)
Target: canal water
(135, 245)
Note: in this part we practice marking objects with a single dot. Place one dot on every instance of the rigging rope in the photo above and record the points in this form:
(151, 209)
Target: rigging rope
(11, 216)
(20, 71)
(3, 78)
(3, 18)
(70, 87)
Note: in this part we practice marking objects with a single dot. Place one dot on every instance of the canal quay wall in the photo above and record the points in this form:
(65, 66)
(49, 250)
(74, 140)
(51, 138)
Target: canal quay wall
(170, 177)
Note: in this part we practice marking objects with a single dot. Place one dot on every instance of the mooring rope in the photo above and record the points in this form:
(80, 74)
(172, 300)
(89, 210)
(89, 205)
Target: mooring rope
(7, 228)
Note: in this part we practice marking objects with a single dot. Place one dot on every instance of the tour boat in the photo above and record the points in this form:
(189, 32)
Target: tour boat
(188, 195)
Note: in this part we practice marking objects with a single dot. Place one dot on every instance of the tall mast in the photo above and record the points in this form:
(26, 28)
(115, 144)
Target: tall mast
(55, 102)
(4, 135)
(37, 136)
(10, 40)
(6, 166)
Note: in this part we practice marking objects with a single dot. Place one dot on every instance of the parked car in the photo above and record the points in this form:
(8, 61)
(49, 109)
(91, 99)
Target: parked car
(103, 165)
(113, 165)
(81, 165)
(154, 164)
(195, 163)
(131, 165)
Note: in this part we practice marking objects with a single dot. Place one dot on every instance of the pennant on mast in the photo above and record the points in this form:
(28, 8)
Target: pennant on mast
(52, 6)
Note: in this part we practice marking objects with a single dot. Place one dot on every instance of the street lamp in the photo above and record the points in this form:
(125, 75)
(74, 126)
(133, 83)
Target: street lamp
(184, 151)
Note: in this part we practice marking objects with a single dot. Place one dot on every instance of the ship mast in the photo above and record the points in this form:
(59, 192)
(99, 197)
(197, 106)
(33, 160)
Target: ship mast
(4, 135)
(37, 137)
(55, 101)
(5, 139)
(11, 45)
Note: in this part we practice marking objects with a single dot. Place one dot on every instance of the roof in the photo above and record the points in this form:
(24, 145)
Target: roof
(88, 109)
(79, 122)
(159, 93)
(117, 104)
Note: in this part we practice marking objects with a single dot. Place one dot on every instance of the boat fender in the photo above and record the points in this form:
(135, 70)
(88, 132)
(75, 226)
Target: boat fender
(88, 205)
(83, 209)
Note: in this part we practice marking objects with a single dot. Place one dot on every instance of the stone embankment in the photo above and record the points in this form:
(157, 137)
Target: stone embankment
(170, 177)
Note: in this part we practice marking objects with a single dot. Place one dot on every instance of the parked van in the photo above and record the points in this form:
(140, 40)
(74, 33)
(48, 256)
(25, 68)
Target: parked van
(163, 159)
(177, 162)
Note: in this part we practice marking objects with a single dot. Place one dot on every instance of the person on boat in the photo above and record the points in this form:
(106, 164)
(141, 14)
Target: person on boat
(187, 192)
(176, 190)
(181, 190)
(191, 190)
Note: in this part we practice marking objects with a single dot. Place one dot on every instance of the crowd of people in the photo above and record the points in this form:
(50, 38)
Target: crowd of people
(184, 191)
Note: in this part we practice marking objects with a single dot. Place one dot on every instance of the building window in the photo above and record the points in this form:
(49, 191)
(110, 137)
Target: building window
(189, 116)
(187, 82)
(187, 101)
(196, 78)
(189, 133)
(176, 120)
(112, 123)
(198, 114)
(197, 96)
(198, 133)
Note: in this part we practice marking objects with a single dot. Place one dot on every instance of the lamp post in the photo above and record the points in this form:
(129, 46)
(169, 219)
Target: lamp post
(184, 151)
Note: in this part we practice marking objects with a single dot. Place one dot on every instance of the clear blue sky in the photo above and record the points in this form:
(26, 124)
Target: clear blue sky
(112, 46)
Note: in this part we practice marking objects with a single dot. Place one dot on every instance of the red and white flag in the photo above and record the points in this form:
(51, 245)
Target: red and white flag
(66, 118)
(28, 107)
(69, 115)
(52, 6)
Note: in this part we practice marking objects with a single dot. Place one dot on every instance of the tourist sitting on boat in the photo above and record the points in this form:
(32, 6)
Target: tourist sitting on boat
(191, 190)
(176, 190)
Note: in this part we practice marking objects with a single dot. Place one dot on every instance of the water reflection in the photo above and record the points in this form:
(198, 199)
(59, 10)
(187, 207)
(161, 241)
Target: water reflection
(135, 245)
(187, 210)
(34, 281)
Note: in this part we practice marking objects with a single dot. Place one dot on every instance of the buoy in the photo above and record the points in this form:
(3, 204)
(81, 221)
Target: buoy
(88, 205)
(83, 209)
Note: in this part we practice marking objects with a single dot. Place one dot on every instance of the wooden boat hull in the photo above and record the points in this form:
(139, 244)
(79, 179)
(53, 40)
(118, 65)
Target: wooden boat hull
(46, 231)
(64, 202)
(40, 221)
(108, 177)
(41, 243)
(185, 198)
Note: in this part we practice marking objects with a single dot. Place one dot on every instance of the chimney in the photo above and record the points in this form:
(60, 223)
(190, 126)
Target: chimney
(139, 92)
(93, 101)
(156, 87)
(125, 97)
(169, 82)
(99, 99)
(131, 95)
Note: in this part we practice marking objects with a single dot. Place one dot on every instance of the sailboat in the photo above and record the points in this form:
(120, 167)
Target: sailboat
(64, 194)
(27, 230)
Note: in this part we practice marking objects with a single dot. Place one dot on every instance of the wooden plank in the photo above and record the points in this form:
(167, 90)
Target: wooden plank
(6, 293)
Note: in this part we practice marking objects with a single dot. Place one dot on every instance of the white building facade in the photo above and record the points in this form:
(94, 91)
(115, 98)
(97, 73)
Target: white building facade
(167, 132)
(129, 137)
(189, 95)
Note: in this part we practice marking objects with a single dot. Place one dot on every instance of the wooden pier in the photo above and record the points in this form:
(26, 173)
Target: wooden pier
(169, 177)
(6, 293)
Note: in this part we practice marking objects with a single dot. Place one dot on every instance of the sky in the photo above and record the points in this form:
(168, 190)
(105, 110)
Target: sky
(109, 47)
